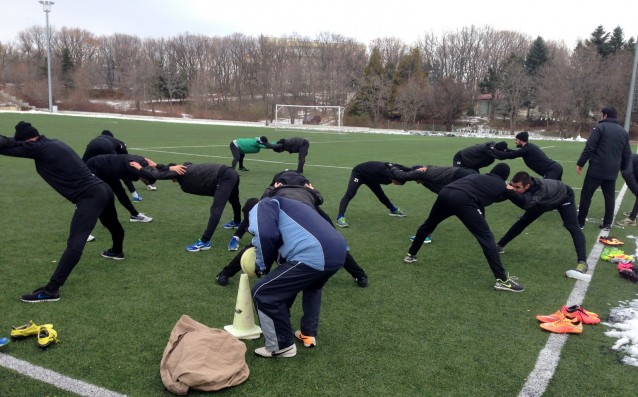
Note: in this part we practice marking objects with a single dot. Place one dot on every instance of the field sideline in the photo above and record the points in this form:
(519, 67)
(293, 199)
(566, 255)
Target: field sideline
(433, 328)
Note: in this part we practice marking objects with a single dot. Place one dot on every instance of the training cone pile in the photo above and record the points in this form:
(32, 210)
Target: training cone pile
(46, 335)
(568, 320)
(244, 326)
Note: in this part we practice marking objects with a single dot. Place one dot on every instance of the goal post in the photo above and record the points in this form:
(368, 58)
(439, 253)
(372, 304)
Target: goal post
(308, 117)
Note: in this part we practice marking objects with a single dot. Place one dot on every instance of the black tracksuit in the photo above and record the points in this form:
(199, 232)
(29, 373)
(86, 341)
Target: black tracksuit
(68, 175)
(546, 195)
(476, 156)
(106, 144)
(630, 175)
(207, 179)
(608, 151)
(111, 168)
(466, 198)
(535, 159)
(434, 177)
(372, 174)
(294, 145)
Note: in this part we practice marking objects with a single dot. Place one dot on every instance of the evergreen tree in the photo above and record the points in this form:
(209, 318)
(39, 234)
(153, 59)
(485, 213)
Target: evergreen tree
(67, 69)
(617, 40)
(537, 56)
(600, 40)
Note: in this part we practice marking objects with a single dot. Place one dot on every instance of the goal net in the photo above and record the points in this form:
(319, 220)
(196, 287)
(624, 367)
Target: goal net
(308, 117)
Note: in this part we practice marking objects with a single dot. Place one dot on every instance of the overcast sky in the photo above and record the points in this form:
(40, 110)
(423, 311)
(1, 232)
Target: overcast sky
(559, 20)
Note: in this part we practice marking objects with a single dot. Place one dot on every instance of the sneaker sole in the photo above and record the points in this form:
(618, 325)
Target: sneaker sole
(112, 257)
(198, 249)
(141, 221)
(230, 227)
(233, 249)
(508, 289)
(398, 216)
(37, 301)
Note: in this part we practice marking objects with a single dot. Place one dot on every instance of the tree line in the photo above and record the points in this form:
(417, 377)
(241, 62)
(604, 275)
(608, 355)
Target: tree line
(437, 79)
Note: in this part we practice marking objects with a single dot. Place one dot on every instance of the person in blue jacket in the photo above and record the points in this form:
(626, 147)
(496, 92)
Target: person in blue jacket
(308, 251)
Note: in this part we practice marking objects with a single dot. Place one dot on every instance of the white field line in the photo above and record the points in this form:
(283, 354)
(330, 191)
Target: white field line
(53, 378)
(549, 357)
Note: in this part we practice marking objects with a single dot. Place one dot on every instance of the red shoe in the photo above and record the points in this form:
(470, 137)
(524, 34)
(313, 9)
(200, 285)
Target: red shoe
(582, 315)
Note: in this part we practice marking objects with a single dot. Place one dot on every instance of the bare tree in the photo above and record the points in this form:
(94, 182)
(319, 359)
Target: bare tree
(515, 86)
(445, 100)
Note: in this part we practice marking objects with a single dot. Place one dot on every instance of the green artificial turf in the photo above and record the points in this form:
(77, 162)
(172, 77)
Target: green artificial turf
(435, 327)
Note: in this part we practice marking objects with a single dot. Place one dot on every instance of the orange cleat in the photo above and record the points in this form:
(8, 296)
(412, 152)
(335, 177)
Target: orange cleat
(564, 326)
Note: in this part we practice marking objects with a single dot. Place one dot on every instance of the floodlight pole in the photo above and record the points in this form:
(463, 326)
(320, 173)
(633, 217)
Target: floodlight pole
(632, 90)
(46, 5)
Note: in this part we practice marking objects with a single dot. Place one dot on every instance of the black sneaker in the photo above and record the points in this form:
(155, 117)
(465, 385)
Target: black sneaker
(605, 228)
(222, 279)
(409, 258)
(109, 253)
(362, 281)
(501, 250)
(511, 285)
(41, 295)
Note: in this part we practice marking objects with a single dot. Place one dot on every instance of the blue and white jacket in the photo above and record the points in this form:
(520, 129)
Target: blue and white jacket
(295, 232)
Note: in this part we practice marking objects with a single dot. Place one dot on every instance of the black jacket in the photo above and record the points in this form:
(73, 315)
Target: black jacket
(291, 145)
(200, 179)
(58, 164)
(116, 166)
(631, 173)
(104, 144)
(434, 177)
(545, 194)
(484, 189)
(532, 155)
(607, 150)
(478, 156)
(376, 172)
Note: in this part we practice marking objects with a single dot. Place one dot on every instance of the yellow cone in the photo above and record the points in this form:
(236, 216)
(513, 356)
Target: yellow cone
(244, 326)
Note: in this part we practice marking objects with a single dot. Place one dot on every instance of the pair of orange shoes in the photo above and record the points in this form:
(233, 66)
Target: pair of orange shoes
(568, 320)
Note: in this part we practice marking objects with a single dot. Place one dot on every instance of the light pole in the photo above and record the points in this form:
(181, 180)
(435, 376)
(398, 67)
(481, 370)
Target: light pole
(46, 5)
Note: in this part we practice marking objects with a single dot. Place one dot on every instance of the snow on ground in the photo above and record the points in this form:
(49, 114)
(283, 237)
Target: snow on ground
(623, 321)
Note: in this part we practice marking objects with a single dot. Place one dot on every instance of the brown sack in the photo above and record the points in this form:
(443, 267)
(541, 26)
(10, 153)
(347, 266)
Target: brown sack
(202, 358)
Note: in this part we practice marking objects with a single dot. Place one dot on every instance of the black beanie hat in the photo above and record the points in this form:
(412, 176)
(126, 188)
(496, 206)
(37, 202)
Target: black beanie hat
(263, 139)
(25, 131)
(502, 170)
(523, 136)
(107, 132)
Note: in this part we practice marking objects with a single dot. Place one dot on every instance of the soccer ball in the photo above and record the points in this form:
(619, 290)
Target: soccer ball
(247, 261)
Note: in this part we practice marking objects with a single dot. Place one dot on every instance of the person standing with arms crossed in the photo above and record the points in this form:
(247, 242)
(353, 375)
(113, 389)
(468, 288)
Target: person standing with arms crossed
(607, 151)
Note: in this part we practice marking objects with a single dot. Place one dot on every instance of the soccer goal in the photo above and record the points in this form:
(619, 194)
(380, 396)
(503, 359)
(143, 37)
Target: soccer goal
(308, 117)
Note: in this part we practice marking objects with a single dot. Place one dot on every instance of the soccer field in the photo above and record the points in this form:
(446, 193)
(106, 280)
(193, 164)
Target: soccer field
(433, 328)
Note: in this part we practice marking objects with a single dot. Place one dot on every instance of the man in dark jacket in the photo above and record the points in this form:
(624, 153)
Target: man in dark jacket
(533, 157)
(106, 143)
(629, 175)
(67, 174)
(373, 174)
(292, 185)
(308, 251)
(111, 168)
(294, 145)
(207, 179)
(478, 156)
(608, 152)
(539, 196)
(432, 177)
(466, 198)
